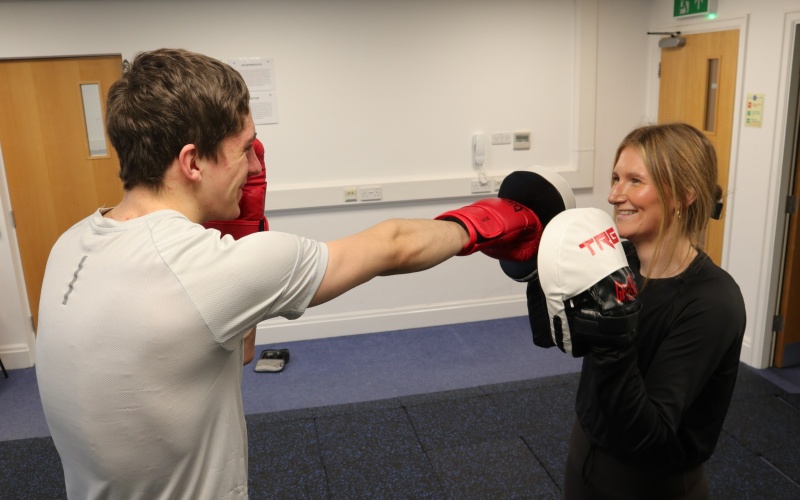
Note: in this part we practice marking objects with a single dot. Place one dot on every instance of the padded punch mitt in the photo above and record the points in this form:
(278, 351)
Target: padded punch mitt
(589, 289)
(546, 193)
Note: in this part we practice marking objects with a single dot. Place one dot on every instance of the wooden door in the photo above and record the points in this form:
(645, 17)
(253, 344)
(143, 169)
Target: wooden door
(53, 179)
(697, 86)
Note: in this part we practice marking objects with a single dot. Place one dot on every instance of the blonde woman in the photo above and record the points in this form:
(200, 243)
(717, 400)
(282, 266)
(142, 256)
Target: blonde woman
(650, 411)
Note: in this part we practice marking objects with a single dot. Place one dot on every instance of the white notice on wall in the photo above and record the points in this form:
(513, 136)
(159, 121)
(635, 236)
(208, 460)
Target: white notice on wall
(264, 107)
(258, 72)
(259, 75)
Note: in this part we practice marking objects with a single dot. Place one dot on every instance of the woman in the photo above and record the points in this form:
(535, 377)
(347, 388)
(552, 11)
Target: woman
(650, 414)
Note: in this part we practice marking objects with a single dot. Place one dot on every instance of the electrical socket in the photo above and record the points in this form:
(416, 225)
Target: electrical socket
(350, 194)
(499, 138)
(370, 193)
(475, 186)
(497, 181)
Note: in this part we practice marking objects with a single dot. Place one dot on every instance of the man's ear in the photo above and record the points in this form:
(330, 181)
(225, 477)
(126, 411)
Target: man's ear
(188, 163)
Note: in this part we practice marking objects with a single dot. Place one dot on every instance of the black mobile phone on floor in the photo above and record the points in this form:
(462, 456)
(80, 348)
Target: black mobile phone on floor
(272, 360)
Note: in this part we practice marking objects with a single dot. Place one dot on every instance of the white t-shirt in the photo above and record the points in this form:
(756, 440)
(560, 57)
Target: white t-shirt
(139, 358)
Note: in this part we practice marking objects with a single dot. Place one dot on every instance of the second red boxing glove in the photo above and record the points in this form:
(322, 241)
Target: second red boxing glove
(500, 228)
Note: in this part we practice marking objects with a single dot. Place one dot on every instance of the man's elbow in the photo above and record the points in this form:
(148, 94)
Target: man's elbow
(249, 346)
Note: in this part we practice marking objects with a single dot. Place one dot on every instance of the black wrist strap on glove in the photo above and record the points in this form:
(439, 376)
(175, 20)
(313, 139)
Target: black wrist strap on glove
(480, 239)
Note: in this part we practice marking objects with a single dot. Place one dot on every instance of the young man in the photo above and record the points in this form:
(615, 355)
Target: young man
(143, 311)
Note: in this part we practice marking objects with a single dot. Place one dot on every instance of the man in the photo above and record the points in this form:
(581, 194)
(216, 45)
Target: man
(143, 311)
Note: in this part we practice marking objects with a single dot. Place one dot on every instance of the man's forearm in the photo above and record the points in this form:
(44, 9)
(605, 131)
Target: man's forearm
(421, 244)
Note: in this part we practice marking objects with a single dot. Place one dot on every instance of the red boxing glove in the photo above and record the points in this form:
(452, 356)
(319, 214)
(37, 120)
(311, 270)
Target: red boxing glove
(254, 192)
(258, 149)
(251, 207)
(500, 228)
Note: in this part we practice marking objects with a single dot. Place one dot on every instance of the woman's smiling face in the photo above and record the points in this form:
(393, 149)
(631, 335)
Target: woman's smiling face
(635, 198)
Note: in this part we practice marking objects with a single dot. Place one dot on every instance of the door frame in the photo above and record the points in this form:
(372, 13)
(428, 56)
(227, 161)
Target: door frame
(787, 137)
(17, 354)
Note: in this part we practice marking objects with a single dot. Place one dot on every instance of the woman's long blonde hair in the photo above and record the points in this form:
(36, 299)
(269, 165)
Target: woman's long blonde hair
(682, 163)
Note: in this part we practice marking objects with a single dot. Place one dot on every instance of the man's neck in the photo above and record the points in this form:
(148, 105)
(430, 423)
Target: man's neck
(141, 201)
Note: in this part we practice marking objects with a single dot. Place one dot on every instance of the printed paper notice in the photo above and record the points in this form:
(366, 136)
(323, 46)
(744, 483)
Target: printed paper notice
(754, 111)
(259, 75)
(263, 108)
(258, 72)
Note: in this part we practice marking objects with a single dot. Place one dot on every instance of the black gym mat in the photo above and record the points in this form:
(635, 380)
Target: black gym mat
(504, 440)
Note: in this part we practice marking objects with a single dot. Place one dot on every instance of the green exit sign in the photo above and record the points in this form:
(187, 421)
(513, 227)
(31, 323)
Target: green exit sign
(689, 8)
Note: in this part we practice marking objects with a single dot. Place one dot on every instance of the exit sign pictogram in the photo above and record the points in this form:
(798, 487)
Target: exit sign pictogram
(688, 8)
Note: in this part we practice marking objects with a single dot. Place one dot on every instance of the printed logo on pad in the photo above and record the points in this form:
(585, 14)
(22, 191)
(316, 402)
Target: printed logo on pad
(626, 292)
(608, 238)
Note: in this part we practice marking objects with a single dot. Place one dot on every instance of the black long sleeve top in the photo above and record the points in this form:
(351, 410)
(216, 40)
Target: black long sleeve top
(663, 400)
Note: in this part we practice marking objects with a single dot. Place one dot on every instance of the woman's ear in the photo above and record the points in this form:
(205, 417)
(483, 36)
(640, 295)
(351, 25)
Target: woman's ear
(691, 197)
(189, 163)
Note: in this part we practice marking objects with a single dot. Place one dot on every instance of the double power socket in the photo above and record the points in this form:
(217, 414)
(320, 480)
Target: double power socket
(491, 185)
(363, 193)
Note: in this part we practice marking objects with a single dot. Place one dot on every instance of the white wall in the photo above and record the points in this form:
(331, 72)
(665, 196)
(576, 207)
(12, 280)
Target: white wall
(752, 237)
(334, 62)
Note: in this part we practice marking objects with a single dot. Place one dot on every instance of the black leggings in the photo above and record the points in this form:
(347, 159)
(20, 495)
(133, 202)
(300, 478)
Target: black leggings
(593, 473)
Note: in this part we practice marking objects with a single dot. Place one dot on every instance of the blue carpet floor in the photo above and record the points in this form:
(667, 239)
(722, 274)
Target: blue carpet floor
(352, 369)
(461, 411)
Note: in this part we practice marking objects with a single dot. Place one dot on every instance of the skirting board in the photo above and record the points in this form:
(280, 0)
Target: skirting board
(337, 325)
(16, 356)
